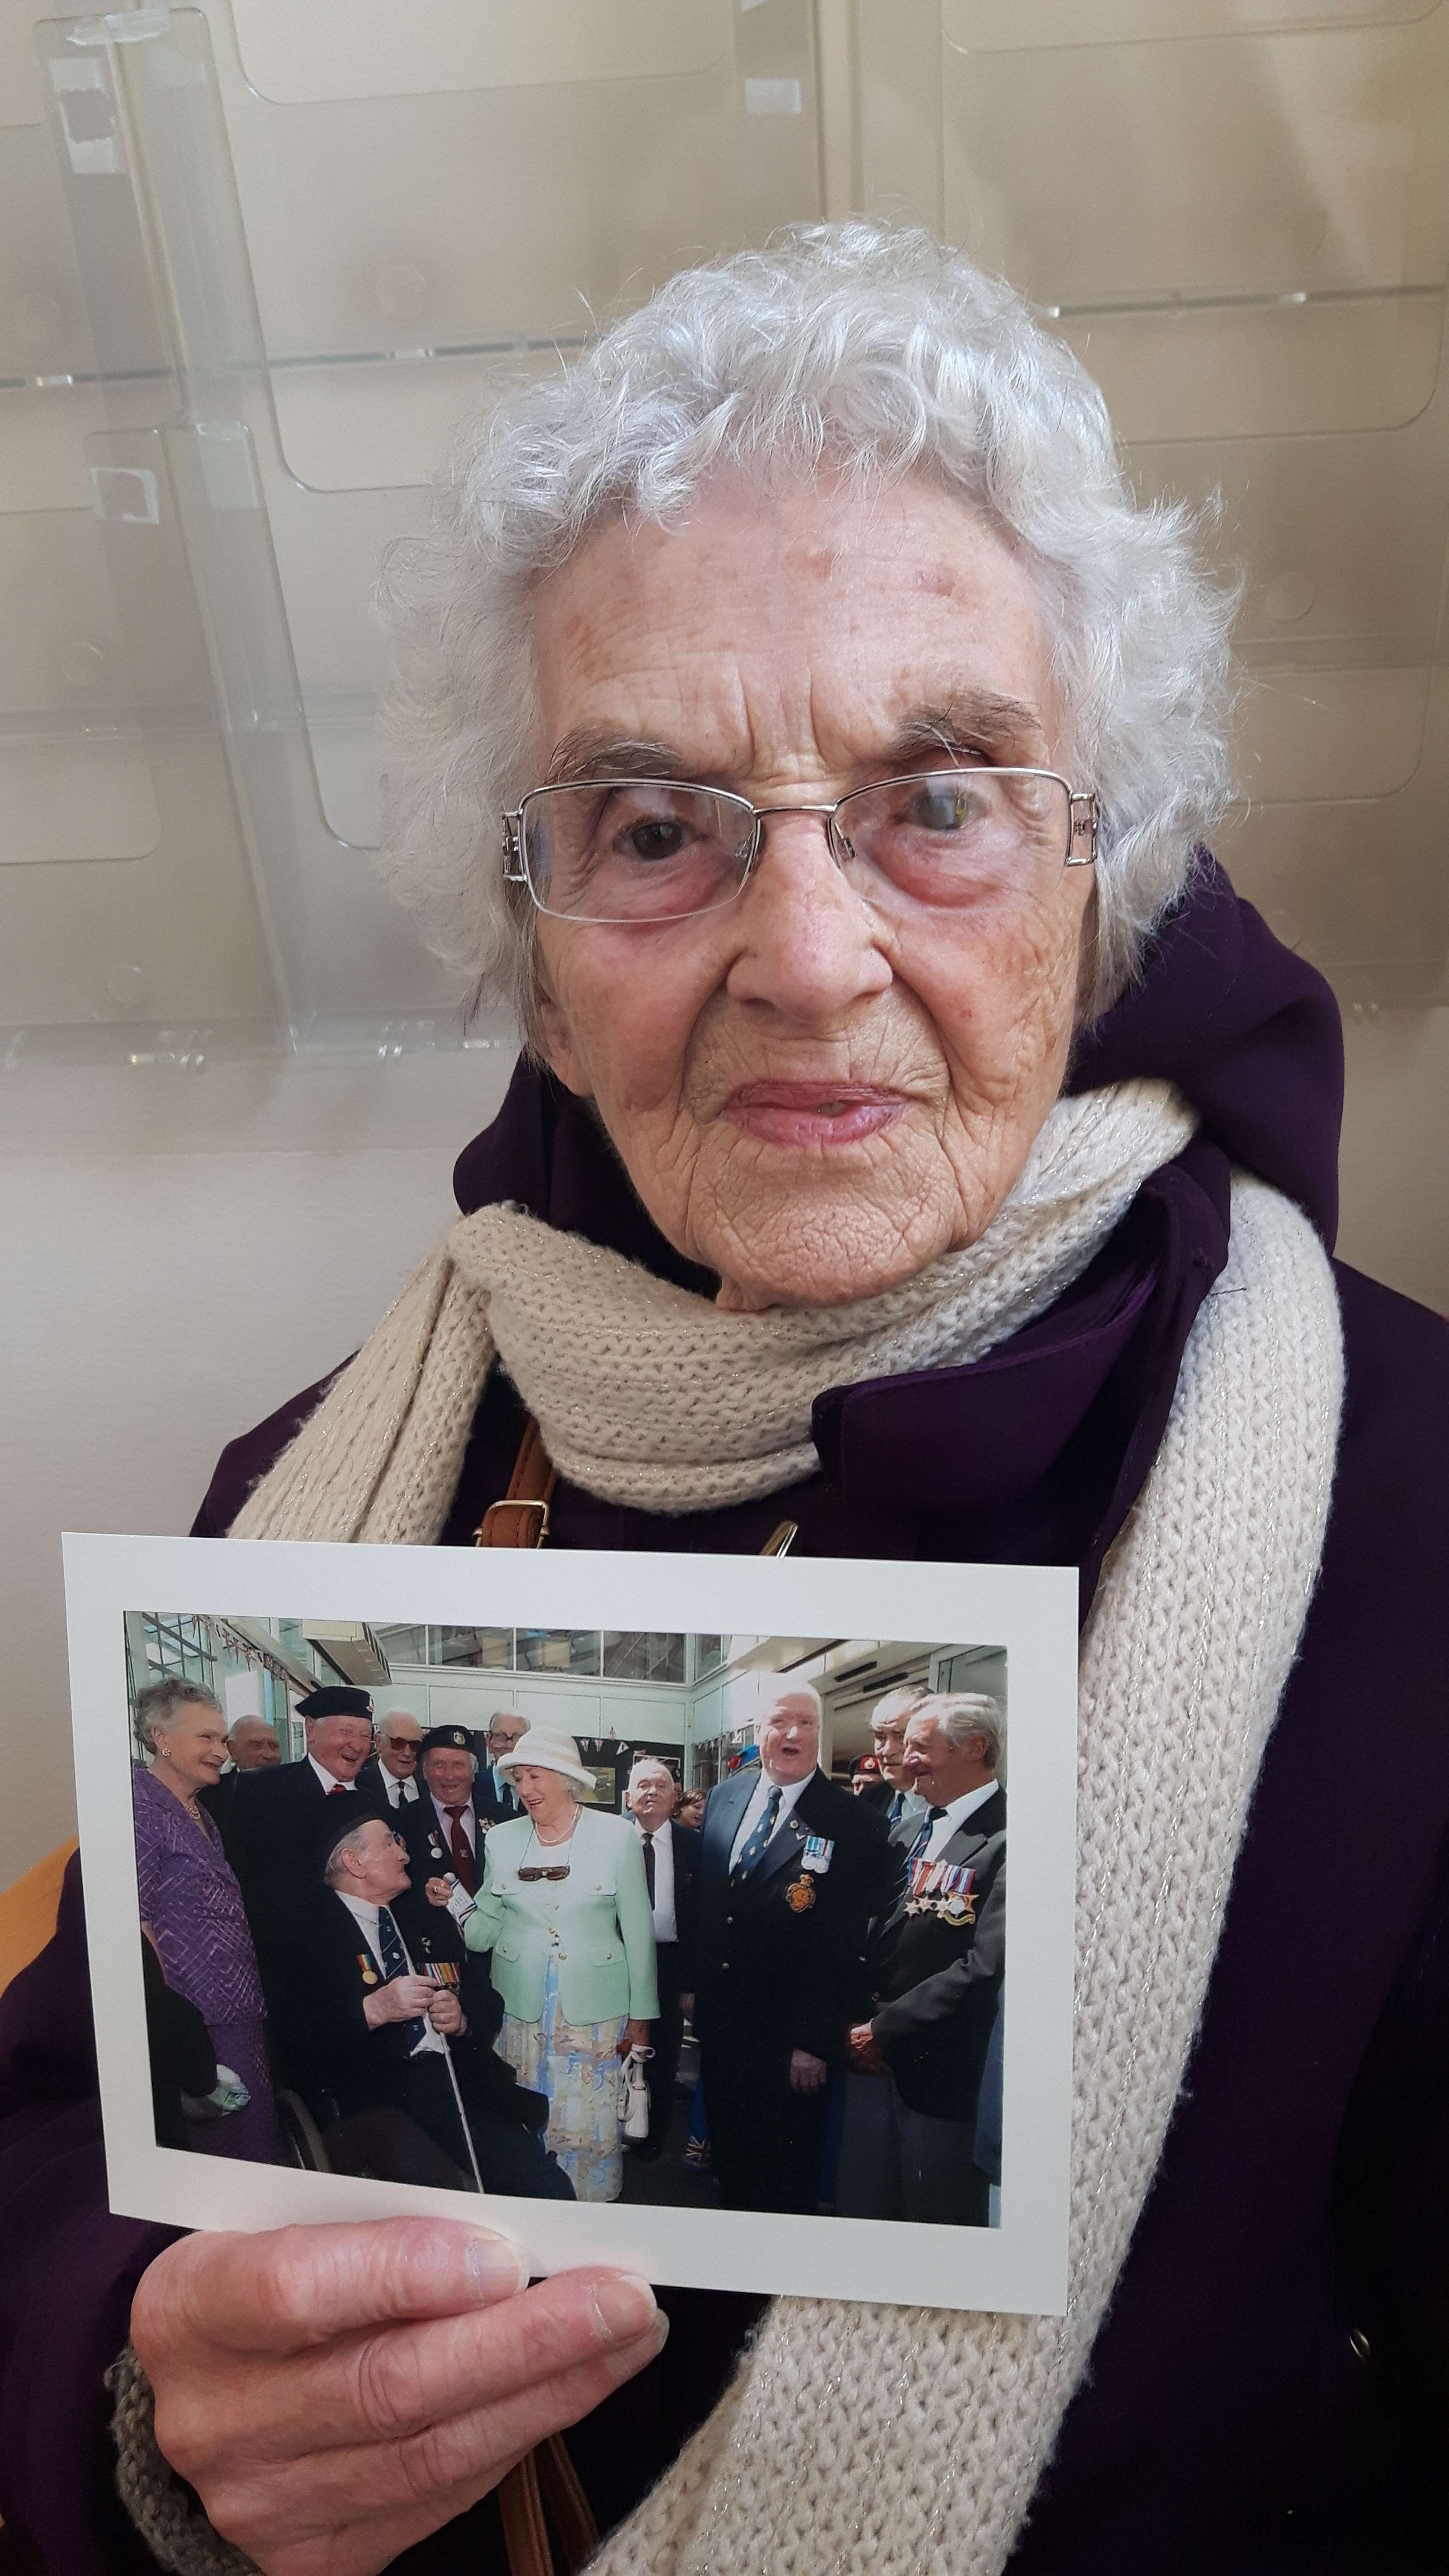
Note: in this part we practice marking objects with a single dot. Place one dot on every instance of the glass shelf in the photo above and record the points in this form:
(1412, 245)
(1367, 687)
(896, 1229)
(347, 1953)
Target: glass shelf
(1238, 215)
(257, 265)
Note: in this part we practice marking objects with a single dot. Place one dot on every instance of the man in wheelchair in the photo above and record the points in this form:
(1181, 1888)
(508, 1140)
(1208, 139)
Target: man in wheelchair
(383, 2024)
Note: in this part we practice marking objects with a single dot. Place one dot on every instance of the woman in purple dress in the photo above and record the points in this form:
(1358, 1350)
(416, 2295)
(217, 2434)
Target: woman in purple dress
(191, 1907)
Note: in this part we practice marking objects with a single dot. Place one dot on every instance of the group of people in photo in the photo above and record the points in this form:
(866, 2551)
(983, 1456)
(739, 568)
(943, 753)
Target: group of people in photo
(430, 1956)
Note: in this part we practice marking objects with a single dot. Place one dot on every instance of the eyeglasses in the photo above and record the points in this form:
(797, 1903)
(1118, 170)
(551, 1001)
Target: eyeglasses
(545, 1873)
(646, 850)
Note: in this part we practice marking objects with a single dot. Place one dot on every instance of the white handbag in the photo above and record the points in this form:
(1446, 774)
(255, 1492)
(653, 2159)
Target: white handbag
(634, 2096)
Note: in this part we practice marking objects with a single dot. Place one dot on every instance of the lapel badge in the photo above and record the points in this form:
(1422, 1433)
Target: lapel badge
(817, 1854)
(800, 1895)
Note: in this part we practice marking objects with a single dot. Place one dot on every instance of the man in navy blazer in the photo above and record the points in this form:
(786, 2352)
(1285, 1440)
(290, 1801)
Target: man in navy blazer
(384, 2023)
(936, 1967)
(268, 1832)
(671, 1867)
(792, 1873)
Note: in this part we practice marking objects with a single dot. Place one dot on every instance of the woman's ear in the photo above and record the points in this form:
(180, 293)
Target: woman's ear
(550, 1034)
(554, 1041)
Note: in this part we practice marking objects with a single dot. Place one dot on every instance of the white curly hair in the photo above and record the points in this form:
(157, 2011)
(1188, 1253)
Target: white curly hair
(870, 352)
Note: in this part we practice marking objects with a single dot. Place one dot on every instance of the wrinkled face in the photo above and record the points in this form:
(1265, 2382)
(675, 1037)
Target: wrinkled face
(192, 1743)
(376, 1867)
(651, 1797)
(254, 1746)
(504, 1731)
(812, 1099)
(546, 1795)
(449, 1775)
(789, 1740)
(889, 1737)
(340, 1744)
(937, 1769)
(397, 1746)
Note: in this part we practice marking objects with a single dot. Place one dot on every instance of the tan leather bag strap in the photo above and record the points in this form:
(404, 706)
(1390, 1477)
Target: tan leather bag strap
(545, 2476)
(521, 1519)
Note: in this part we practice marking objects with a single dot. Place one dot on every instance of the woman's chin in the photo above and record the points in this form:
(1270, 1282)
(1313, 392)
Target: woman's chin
(819, 1269)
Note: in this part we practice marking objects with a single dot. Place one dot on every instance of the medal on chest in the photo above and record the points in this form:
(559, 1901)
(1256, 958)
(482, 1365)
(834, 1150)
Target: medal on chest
(369, 1972)
(943, 1888)
(800, 1895)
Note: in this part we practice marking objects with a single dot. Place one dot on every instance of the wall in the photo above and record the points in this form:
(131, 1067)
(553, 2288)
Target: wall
(654, 1715)
(177, 1255)
(179, 1252)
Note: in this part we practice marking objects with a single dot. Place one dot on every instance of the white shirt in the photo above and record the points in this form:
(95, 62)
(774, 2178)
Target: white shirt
(368, 1920)
(765, 1787)
(328, 1779)
(400, 1793)
(665, 1926)
(445, 1825)
(956, 1815)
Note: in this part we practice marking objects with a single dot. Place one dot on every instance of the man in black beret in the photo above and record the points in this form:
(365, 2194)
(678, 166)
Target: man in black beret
(274, 1813)
(445, 1829)
(383, 2023)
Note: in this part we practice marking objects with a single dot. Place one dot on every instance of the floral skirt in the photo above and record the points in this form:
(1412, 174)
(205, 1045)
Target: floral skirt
(577, 2065)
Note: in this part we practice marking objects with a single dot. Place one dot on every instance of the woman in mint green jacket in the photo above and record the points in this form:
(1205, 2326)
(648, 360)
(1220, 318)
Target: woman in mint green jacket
(564, 1909)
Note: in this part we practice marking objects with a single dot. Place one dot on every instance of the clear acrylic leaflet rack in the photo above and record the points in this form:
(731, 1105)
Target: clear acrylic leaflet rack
(251, 397)
(254, 264)
(1238, 213)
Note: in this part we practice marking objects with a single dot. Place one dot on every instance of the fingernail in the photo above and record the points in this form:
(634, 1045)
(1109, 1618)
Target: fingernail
(623, 2362)
(496, 2266)
(623, 2307)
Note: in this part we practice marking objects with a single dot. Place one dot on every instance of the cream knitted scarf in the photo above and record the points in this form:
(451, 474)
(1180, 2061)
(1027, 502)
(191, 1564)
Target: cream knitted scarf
(899, 2441)
(648, 1395)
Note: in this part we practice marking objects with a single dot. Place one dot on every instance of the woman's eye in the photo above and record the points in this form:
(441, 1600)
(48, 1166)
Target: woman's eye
(942, 809)
(654, 837)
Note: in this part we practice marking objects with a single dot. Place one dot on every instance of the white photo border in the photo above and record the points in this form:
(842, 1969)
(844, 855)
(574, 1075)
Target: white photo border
(1019, 2266)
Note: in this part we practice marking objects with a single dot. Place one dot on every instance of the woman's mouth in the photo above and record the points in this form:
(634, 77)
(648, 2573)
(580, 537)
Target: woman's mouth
(813, 1113)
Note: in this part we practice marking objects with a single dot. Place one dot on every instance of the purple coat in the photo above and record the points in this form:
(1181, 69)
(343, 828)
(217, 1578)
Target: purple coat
(1268, 2394)
(192, 1902)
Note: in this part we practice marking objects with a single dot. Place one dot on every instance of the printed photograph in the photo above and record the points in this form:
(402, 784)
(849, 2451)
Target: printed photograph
(702, 1922)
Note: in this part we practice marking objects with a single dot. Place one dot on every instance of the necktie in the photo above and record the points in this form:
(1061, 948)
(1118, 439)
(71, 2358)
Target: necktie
(649, 1865)
(753, 1849)
(897, 1802)
(338, 1789)
(463, 1861)
(931, 1817)
(395, 1964)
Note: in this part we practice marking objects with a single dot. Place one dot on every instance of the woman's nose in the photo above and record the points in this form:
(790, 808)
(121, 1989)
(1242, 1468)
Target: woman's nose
(808, 944)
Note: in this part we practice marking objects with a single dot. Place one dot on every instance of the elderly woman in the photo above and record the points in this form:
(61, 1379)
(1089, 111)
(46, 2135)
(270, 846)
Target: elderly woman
(917, 1139)
(564, 1909)
(192, 1911)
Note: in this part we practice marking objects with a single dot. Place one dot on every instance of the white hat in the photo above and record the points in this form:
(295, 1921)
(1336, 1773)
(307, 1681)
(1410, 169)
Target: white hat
(548, 1749)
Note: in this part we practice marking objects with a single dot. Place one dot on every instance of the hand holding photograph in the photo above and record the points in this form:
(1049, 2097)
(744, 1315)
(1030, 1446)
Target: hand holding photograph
(685, 1944)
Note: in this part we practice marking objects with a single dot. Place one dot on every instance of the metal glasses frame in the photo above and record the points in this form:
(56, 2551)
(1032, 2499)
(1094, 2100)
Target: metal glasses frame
(1084, 820)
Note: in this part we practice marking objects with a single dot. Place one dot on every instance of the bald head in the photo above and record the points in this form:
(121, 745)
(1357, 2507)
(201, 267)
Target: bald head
(252, 1744)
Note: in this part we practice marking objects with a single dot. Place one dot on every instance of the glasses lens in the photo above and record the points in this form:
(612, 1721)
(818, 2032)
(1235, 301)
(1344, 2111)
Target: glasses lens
(957, 836)
(634, 850)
